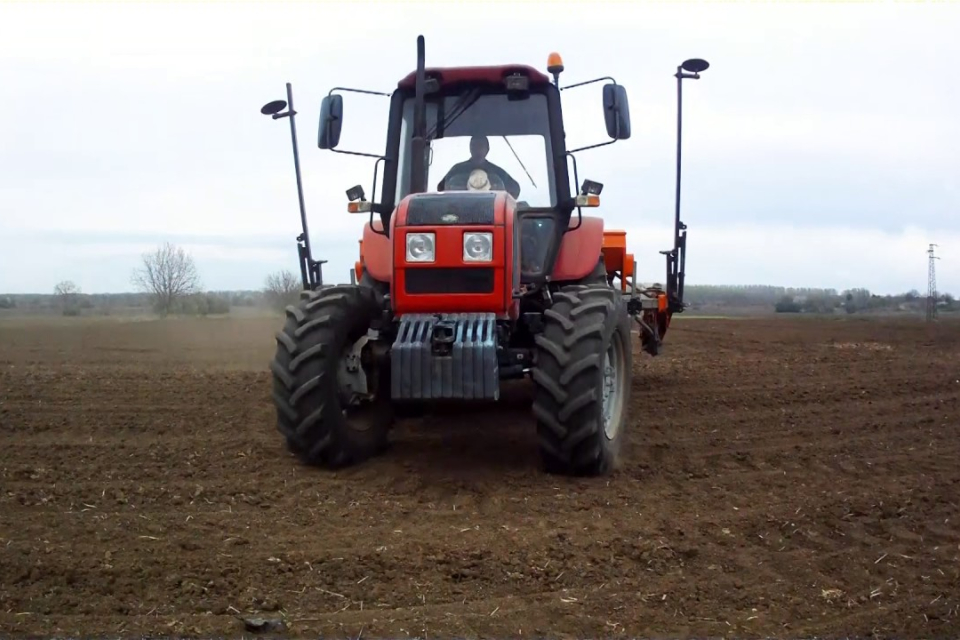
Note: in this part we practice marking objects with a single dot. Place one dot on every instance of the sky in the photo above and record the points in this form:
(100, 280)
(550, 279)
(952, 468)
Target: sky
(821, 148)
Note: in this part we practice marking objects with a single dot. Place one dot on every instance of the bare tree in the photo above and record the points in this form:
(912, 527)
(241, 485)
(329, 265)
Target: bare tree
(168, 274)
(67, 294)
(282, 288)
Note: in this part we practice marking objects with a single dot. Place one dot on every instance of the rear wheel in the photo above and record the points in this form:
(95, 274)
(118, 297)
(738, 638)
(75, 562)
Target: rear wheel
(582, 378)
(329, 387)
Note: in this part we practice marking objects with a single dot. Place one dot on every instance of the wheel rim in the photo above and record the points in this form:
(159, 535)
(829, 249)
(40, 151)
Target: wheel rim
(359, 414)
(613, 378)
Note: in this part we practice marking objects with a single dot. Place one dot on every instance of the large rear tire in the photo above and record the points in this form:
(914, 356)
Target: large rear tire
(582, 380)
(316, 412)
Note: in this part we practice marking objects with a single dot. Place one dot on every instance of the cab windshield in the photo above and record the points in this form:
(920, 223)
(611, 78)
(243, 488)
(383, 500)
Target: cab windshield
(484, 142)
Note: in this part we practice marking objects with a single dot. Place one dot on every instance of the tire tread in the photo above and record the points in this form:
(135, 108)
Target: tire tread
(304, 371)
(567, 377)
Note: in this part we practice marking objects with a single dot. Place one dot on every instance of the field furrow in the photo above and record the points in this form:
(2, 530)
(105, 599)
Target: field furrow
(783, 478)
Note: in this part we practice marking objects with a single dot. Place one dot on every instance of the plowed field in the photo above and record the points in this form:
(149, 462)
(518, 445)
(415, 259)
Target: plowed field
(784, 478)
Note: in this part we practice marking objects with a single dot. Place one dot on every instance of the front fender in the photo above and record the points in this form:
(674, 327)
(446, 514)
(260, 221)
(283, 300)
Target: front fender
(580, 249)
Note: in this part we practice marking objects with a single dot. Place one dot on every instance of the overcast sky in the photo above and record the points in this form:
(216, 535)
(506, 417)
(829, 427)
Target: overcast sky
(821, 148)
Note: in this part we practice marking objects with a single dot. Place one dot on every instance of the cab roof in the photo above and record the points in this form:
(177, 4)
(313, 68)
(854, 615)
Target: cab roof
(475, 75)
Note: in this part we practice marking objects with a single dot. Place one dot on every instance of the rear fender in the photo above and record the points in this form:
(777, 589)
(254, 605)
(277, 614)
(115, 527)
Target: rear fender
(580, 249)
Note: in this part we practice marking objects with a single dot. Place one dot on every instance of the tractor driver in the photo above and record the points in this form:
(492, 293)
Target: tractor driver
(479, 147)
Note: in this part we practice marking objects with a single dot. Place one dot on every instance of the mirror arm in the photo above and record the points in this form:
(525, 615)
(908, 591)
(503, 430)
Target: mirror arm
(359, 153)
(586, 82)
(592, 146)
(365, 91)
(616, 107)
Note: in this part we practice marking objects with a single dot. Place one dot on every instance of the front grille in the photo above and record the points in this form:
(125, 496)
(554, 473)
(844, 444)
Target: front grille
(467, 368)
(449, 280)
(451, 208)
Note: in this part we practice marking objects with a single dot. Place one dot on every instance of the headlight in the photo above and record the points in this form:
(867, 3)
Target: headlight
(421, 247)
(478, 247)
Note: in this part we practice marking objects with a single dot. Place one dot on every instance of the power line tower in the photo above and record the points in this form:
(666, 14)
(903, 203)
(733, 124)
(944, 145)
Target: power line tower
(932, 284)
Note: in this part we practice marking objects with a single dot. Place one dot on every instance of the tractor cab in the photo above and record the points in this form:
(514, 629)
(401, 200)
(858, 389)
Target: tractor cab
(492, 129)
(481, 135)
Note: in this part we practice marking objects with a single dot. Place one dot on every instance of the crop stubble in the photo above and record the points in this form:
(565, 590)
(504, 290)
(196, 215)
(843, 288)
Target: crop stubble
(783, 478)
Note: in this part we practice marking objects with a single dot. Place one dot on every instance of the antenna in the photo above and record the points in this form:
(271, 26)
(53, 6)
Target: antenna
(932, 283)
(310, 270)
(677, 256)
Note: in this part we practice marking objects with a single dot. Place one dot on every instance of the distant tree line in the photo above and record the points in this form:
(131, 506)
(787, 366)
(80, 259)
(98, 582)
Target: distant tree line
(862, 301)
(168, 283)
(201, 303)
(810, 300)
(746, 295)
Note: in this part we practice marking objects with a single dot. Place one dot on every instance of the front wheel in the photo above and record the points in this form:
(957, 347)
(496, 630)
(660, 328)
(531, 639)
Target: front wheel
(329, 388)
(582, 380)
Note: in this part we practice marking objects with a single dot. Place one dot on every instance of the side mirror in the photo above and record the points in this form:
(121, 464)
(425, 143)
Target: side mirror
(616, 111)
(331, 122)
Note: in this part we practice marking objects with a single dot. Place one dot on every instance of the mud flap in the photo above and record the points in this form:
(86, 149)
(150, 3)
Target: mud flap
(450, 355)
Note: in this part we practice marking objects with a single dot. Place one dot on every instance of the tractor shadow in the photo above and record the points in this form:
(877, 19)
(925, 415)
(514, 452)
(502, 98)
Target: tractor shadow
(456, 438)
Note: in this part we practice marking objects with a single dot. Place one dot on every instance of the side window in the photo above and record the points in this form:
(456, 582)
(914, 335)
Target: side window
(403, 166)
(572, 175)
(403, 158)
(535, 236)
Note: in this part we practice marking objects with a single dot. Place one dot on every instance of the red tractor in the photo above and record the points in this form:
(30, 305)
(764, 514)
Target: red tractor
(480, 279)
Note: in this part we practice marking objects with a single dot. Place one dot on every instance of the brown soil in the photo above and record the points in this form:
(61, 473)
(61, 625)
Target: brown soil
(785, 478)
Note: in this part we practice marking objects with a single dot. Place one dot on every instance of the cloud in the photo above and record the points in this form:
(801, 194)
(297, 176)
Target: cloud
(126, 124)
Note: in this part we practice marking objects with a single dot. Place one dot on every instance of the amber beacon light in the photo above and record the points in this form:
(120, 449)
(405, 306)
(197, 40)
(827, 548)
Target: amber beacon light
(555, 66)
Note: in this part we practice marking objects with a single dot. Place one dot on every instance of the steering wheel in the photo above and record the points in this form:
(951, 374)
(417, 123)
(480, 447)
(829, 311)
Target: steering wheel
(475, 180)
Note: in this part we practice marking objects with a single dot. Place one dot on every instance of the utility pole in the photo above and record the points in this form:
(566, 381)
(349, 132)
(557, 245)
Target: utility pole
(931, 284)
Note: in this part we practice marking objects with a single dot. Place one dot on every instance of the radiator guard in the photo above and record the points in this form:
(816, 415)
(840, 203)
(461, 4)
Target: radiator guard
(469, 372)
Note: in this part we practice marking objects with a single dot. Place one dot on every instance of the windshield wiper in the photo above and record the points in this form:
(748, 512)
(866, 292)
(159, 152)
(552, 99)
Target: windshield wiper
(459, 107)
(520, 161)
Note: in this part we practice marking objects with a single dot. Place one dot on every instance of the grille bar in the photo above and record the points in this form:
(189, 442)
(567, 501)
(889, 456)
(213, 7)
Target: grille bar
(469, 370)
